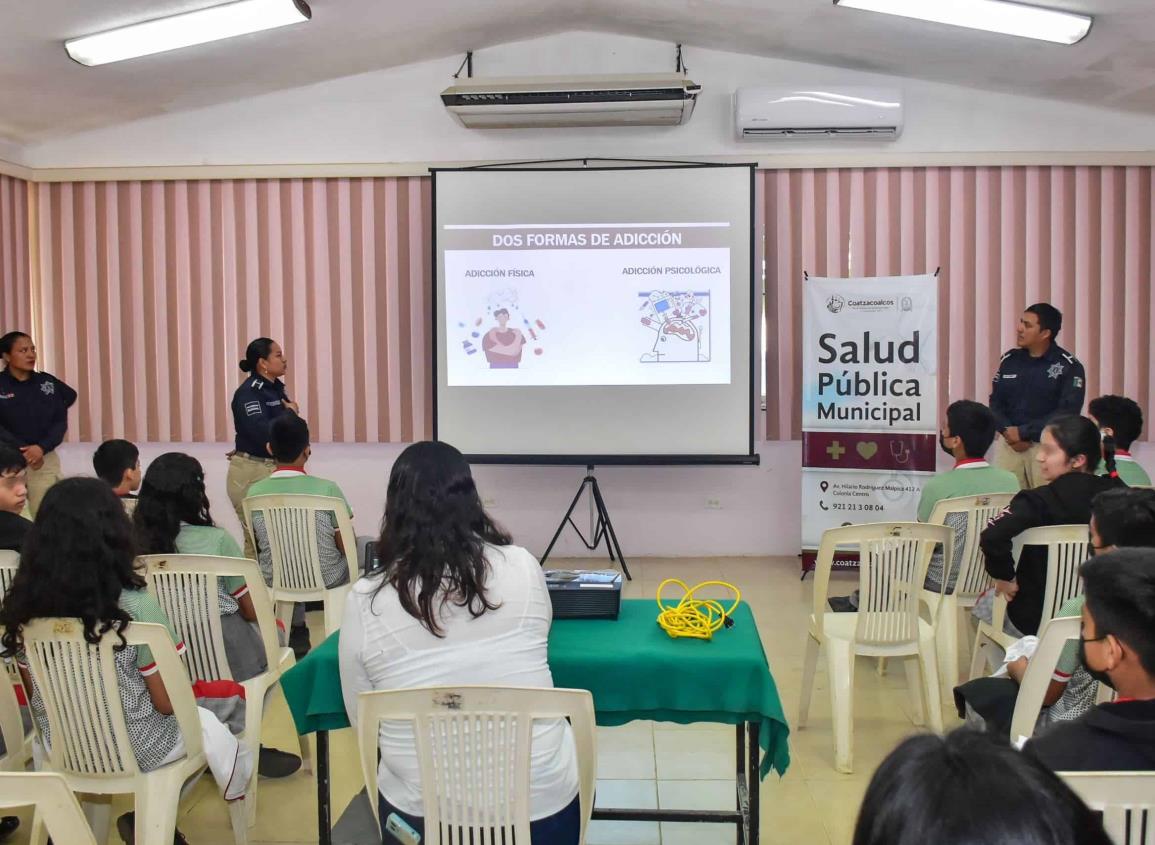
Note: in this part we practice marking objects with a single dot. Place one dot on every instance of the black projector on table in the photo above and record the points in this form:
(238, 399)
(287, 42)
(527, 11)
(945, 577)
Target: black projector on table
(583, 594)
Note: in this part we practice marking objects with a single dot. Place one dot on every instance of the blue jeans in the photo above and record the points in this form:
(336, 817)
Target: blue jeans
(561, 828)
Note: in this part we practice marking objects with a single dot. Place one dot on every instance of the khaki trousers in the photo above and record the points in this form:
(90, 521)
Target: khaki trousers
(244, 472)
(1024, 465)
(39, 480)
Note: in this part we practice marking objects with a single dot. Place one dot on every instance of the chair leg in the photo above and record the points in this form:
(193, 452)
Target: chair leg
(306, 753)
(98, 812)
(254, 716)
(239, 819)
(840, 668)
(978, 653)
(914, 690)
(946, 641)
(810, 663)
(881, 667)
(157, 801)
(333, 612)
(928, 663)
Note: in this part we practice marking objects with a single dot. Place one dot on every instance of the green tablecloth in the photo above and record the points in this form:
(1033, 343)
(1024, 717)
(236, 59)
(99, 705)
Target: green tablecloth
(633, 669)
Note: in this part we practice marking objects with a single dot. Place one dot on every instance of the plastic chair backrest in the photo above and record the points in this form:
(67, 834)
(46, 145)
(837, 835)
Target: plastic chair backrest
(78, 685)
(893, 558)
(1053, 636)
(290, 522)
(969, 563)
(57, 812)
(186, 587)
(1068, 547)
(9, 563)
(473, 749)
(1126, 800)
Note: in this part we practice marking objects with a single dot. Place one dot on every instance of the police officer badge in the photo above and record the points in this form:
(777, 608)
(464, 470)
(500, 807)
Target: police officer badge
(47, 388)
(1055, 370)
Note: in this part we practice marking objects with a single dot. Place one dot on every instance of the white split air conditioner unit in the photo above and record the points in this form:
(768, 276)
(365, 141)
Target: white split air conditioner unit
(800, 113)
(645, 100)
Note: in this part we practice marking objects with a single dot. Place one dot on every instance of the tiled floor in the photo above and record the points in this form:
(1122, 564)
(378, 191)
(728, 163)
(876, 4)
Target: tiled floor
(647, 764)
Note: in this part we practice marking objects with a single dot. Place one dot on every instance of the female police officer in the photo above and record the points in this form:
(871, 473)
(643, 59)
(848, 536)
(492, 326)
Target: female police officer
(257, 402)
(33, 413)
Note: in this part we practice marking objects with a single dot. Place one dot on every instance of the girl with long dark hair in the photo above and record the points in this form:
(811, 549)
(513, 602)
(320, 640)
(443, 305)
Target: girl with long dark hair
(452, 601)
(1069, 452)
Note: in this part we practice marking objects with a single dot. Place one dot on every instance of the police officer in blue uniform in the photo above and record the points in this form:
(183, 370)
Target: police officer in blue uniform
(33, 413)
(1034, 382)
(259, 400)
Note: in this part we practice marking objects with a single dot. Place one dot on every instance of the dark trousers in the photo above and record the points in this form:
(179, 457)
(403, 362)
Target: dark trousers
(562, 828)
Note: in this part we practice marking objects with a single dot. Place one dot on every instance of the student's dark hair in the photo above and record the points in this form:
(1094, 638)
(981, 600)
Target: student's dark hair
(974, 423)
(1122, 415)
(971, 788)
(504, 311)
(9, 340)
(1120, 591)
(12, 460)
(1050, 317)
(288, 438)
(1125, 517)
(433, 535)
(76, 559)
(1076, 436)
(171, 492)
(113, 458)
(255, 351)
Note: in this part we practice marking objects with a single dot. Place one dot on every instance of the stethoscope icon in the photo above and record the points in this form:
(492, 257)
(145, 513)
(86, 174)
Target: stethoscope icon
(899, 451)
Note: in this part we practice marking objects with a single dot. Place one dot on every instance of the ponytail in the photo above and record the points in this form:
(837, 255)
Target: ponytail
(1109, 455)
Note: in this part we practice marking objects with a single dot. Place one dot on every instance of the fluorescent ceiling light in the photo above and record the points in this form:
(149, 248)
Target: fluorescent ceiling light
(991, 15)
(185, 30)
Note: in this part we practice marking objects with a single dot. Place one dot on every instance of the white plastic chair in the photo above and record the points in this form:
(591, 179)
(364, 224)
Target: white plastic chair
(90, 743)
(1126, 800)
(1053, 636)
(893, 558)
(971, 581)
(471, 787)
(186, 587)
(291, 528)
(57, 813)
(9, 563)
(17, 743)
(1067, 550)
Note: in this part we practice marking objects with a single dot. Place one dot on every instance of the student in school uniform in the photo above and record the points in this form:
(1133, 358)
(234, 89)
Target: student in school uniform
(259, 400)
(13, 498)
(289, 445)
(117, 463)
(1120, 422)
(172, 517)
(33, 413)
(79, 561)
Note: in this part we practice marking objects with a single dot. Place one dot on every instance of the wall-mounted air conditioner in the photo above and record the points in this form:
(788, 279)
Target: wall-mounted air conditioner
(818, 111)
(644, 100)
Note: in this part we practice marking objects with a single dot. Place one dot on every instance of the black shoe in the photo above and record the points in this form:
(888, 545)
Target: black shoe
(842, 604)
(126, 827)
(273, 763)
(8, 825)
(299, 641)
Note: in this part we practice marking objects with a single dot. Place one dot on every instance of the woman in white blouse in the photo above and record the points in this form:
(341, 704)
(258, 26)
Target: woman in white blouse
(451, 602)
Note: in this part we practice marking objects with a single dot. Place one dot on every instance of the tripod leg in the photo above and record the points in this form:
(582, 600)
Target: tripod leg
(565, 519)
(612, 539)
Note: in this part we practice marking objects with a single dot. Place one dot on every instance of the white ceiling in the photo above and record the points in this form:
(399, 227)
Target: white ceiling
(44, 94)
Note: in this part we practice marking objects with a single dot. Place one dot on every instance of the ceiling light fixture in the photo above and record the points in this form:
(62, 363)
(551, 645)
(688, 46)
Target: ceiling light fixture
(185, 30)
(990, 15)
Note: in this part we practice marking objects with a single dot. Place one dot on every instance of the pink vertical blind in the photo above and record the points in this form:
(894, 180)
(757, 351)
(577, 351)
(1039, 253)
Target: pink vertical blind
(15, 304)
(1004, 237)
(151, 290)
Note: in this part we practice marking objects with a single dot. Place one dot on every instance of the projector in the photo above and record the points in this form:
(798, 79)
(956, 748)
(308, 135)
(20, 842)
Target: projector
(584, 594)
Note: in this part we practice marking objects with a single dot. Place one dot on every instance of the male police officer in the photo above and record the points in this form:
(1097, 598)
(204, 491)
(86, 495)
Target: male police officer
(1034, 382)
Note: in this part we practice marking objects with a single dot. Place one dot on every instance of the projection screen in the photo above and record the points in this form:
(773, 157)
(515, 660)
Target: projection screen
(600, 315)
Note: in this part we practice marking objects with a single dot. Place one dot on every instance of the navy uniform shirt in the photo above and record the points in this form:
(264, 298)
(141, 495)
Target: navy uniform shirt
(34, 412)
(256, 403)
(1028, 391)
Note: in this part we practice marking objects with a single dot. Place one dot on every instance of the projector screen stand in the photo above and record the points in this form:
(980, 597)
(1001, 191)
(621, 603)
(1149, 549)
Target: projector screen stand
(601, 527)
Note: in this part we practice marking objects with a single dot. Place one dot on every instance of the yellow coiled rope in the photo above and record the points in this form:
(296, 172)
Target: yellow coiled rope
(691, 617)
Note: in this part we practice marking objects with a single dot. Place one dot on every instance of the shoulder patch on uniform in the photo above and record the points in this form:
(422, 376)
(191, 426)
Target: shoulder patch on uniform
(1006, 355)
(252, 409)
(256, 384)
(1077, 381)
(1070, 358)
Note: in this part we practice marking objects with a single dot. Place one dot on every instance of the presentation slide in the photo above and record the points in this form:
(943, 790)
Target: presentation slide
(594, 312)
